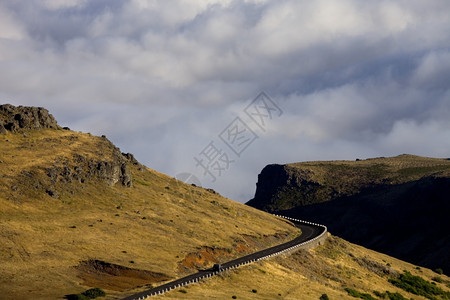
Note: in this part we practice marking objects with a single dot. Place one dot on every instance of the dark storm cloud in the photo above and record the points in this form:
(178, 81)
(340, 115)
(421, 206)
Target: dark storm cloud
(163, 78)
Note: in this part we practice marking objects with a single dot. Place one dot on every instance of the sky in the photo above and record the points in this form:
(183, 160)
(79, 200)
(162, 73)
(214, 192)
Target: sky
(212, 91)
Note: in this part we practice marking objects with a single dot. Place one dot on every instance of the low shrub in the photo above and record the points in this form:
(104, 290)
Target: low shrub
(357, 294)
(437, 279)
(379, 294)
(324, 297)
(389, 295)
(439, 271)
(87, 295)
(94, 293)
(418, 286)
(395, 296)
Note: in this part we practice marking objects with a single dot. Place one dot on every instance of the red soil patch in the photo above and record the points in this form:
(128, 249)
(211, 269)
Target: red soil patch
(241, 247)
(97, 273)
(204, 257)
(207, 256)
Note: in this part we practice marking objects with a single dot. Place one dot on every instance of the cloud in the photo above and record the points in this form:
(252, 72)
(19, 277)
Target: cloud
(429, 138)
(163, 78)
(433, 71)
(12, 29)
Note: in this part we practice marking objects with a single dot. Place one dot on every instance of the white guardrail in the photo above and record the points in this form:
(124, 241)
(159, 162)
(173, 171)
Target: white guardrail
(197, 277)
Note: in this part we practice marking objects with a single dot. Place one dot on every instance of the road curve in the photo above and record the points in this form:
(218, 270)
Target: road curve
(310, 233)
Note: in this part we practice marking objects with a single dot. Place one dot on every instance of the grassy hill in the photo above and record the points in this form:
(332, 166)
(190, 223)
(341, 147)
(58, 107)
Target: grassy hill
(397, 205)
(66, 226)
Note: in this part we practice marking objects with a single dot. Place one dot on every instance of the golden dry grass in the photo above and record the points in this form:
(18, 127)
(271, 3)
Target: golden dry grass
(159, 220)
(398, 169)
(327, 269)
(351, 177)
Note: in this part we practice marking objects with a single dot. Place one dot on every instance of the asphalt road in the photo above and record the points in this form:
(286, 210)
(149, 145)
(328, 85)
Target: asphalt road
(309, 232)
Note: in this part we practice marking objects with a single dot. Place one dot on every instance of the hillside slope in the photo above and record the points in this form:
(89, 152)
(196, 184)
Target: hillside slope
(396, 205)
(329, 269)
(76, 213)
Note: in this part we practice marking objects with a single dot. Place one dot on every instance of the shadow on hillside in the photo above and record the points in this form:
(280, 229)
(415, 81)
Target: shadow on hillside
(408, 221)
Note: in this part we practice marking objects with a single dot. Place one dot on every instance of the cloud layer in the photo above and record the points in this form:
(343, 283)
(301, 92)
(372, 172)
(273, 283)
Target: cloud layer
(163, 78)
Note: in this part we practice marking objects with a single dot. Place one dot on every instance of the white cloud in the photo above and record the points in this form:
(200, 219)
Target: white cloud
(433, 70)
(431, 138)
(162, 78)
(11, 27)
(63, 4)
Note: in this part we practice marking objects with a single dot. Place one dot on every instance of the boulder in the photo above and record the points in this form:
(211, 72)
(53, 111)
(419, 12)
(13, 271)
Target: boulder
(13, 118)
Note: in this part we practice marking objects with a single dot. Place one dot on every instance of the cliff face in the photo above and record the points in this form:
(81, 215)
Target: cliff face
(397, 205)
(282, 187)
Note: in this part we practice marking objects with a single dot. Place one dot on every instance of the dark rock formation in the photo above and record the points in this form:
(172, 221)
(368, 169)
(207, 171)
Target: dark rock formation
(375, 206)
(282, 187)
(82, 170)
(130, 158)
(270, 180)
(52, 193)
(14, 118)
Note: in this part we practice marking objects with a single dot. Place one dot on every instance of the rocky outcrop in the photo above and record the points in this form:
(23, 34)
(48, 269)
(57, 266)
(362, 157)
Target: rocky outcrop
(13, 118)
(82, 169)
(115, 169)
(67, 175)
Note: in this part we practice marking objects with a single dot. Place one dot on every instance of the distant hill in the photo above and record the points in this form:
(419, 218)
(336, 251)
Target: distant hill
(397, 205)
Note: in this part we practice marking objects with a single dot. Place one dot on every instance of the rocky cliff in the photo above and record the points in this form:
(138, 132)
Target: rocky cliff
(282, 187)
(14, 118)
(395, 205)
(107, 164)
(81, 169)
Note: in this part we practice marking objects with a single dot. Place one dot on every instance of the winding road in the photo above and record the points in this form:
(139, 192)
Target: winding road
(310, 232)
